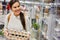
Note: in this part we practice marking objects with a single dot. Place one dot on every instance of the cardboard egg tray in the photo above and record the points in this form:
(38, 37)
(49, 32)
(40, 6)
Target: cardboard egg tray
(14, 35)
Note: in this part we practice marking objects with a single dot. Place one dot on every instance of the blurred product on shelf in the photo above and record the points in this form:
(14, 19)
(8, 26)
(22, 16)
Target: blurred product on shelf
(1, 12)
(0, 6)
(57, 32)
(48, 1)
(45, 28)
(23, 8)
(8, 8)
(58, 11)
(37, 11)
(38, 8)
(1, 9)
(57, 1)
(4, 3)
(37, 16)
(33, 0)
(46, 10)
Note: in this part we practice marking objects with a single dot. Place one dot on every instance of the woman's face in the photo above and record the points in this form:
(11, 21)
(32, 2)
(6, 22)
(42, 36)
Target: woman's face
(16, 8)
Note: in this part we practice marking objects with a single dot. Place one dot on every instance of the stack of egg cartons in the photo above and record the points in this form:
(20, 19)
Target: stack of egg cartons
(14, 35)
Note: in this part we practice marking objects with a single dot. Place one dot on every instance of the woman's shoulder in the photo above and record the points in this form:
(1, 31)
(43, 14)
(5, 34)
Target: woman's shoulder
(8, 16)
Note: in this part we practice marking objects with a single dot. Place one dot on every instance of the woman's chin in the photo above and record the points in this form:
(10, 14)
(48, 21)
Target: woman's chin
(17, 12)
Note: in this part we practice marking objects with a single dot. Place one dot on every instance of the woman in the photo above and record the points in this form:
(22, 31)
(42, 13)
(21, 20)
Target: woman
(16, 20)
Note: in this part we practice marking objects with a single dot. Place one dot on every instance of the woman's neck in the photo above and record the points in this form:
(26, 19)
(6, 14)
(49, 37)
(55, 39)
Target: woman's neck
(16, 15)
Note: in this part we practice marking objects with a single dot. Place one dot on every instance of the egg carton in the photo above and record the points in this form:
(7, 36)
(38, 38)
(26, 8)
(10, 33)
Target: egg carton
(14, 35)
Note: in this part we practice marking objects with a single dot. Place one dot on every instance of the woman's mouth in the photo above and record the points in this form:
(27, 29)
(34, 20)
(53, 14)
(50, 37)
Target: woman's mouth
(18, 11)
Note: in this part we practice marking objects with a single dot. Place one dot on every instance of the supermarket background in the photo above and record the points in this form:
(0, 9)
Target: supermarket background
(45, 13)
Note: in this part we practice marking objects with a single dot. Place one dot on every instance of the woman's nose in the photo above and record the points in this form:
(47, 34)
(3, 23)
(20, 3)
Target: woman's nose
(17, 8)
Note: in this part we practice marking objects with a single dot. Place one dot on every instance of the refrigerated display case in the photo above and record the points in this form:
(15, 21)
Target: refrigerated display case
(56, 35)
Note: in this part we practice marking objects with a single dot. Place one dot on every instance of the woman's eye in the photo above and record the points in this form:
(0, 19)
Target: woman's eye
(18, 6)
(14, 7)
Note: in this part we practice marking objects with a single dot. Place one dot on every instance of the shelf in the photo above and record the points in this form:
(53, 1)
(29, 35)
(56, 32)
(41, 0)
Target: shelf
(55, 38)
(57, 29)
(44, 34)
(52, 3)
(29, 2)
(48, 4)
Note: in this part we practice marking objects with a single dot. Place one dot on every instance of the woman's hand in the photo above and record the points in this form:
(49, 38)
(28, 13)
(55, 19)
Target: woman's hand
(29, 35)
(6, 32)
